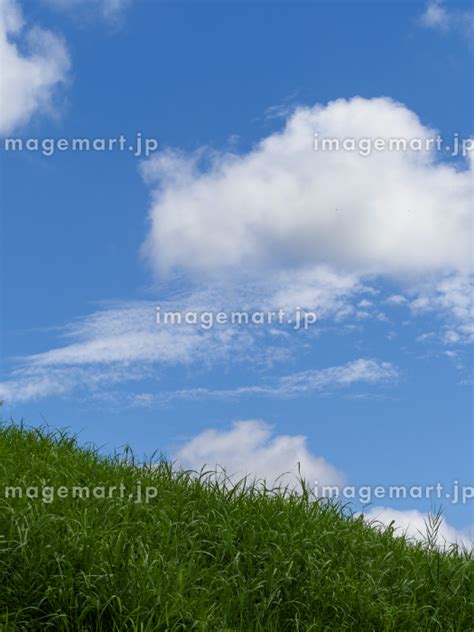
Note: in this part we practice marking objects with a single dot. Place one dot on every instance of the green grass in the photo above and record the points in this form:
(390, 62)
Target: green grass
(202, 556)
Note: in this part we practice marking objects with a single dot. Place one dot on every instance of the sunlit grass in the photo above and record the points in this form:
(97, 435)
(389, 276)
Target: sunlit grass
(203, 556)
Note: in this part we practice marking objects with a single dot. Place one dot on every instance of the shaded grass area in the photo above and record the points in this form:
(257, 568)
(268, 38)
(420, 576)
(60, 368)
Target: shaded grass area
(202, 556)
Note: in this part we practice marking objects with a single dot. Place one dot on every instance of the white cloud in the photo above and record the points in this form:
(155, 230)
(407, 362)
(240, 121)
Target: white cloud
(283, 204)
(413, 523)
(319, 228)
(250, 449)
(34, 62)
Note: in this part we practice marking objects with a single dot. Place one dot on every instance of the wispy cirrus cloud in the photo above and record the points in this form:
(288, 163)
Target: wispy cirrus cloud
(360, 372)
(445, 18)
(435, 15)
(123, 344)
(452, 296)
(109, 10)
(113, 345)
(101, 349)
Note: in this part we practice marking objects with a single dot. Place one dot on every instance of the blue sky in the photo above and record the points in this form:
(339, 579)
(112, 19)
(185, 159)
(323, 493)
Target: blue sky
(236, 210)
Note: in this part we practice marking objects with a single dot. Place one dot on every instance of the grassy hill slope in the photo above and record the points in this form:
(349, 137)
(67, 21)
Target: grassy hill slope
(199, 556)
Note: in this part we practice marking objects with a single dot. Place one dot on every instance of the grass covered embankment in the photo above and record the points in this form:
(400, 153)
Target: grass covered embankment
(199, 556)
